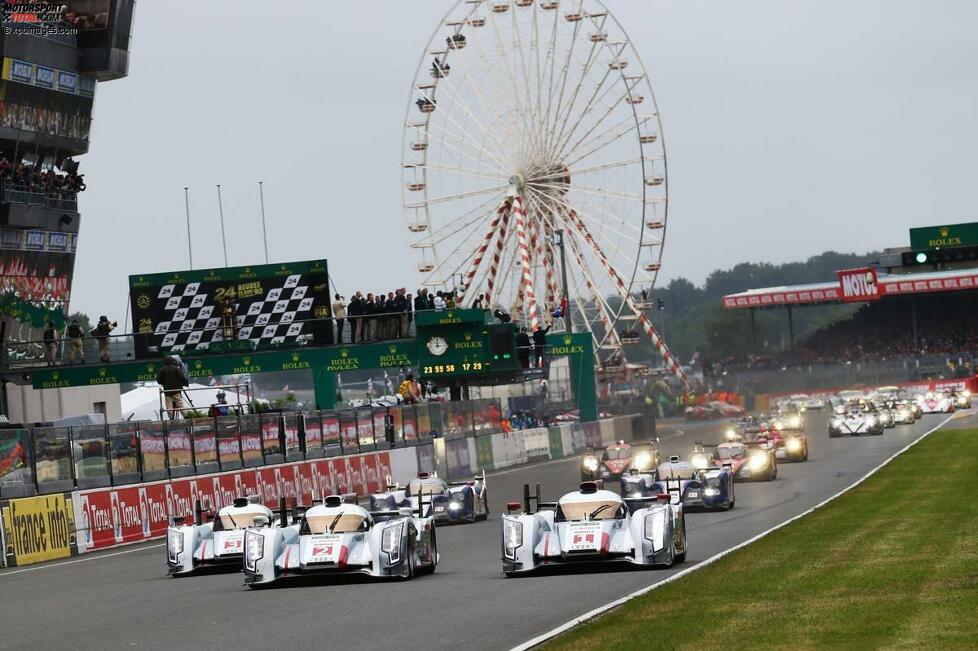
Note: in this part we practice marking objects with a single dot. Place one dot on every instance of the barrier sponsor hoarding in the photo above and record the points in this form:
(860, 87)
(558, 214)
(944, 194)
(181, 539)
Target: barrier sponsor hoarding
(536, 443)
(38, 528)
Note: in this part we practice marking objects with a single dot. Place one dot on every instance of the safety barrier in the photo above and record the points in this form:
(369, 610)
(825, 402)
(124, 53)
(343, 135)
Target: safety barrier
(64, 524)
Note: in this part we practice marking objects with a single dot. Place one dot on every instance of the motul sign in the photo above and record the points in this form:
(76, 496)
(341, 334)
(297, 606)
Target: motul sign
(858, 284)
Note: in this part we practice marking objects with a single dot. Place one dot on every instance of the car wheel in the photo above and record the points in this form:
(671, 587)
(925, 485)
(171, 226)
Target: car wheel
(681, 558)
(509, 575)
(485, 505)
(430, 569)
(833, 435)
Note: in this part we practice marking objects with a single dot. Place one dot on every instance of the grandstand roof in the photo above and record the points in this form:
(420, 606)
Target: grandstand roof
(831, 292)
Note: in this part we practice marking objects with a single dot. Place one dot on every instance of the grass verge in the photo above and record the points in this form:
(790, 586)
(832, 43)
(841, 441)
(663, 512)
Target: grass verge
(891, 564)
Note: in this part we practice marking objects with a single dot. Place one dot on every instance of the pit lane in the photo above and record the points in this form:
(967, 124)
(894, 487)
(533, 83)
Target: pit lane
(117, 600)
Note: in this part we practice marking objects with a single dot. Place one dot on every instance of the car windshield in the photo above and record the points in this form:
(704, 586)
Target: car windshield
(676, 471)
(731, 451)
(241, 519)
(579, 510)
(344, 523)
(427, 486)
(616, 454)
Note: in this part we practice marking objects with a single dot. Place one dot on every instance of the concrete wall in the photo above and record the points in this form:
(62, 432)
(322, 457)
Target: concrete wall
(28, 405)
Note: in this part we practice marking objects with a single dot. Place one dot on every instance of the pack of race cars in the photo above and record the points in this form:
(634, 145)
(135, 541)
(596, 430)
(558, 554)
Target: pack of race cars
(392, 534)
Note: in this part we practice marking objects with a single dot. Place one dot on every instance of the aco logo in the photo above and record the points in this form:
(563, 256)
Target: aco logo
(142, 302)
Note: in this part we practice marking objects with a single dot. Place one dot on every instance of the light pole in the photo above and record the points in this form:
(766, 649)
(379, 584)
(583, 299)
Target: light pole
(264, 232)
(559, 241)
(190, 248)
(220, 208)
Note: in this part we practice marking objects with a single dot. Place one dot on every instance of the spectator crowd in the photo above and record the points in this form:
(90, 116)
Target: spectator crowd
(34, 178)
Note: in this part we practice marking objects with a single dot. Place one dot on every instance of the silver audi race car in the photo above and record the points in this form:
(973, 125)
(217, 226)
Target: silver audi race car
(450, 502)
(218, 542)
(338, 537)
(697, 484)
(855, 420)
(591, 525)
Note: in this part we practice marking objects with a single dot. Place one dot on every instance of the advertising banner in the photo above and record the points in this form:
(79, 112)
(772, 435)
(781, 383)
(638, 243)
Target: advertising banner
(556, 442)
(858, 285)
(39, 528)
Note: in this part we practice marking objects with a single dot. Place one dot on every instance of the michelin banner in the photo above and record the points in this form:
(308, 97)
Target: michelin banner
(38, 528)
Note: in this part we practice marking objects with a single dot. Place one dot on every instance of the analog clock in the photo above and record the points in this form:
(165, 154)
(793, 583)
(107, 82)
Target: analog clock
(437, 346)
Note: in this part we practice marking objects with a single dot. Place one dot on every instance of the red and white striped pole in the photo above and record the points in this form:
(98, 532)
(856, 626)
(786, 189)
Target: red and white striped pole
(531, 297)
(481, 251)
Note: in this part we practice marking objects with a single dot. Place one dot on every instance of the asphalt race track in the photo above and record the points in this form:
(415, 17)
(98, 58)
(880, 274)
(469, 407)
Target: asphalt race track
(114, 600)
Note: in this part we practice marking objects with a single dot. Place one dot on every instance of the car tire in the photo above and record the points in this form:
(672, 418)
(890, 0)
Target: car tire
(485, 506)
(833, 435)
(805, 455)
(430, 569)
(681, 558)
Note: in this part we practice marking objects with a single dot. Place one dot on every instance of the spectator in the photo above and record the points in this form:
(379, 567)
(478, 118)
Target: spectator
(523, 348)
(355, 312)
(172, 379)
(401, 306)
(408, 390)
(370, 316)
(439, 302)
(101, 334)
(421, 300)
(339, 313)
(76, 343)
(540, 343)
(50, 343)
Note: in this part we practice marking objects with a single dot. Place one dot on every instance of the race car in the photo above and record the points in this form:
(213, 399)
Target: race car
(936, 403)
(738, 429)
(698, 488)
(789, 419)
(337, 538)
(588, 526)
(450, 502)
(885, 414)
(613, 461)
(748, 462)
(805, 402)
(962, 399)
(903, 412)
(794, 447)
(218, 542)
(855, 420)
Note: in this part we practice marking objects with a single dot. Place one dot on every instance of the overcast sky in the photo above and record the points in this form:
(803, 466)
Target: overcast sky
(791, 128)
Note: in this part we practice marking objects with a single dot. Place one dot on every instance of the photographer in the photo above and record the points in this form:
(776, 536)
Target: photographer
(101, 334)
(76, 342)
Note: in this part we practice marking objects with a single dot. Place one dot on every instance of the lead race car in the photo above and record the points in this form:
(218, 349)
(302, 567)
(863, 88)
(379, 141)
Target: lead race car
(591, 525)
(934, 402)
(696, 484)
(450, 502)
(339, 537)
(855, 420)
(216, 542)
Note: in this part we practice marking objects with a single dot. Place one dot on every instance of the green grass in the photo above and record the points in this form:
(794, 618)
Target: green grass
(892, 564)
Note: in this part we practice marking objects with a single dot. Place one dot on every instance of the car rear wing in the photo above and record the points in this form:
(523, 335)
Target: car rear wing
(478, 478)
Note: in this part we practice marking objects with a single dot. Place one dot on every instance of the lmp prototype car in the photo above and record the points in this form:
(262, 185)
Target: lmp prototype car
(615, 460)
(219, 542)
(936, 403)
(788, 420)
(591, 525)
(855, 420)
(962, 399)
(748, 461)
(450, 502)
(697, 485)
(337, 537)
(903, 412)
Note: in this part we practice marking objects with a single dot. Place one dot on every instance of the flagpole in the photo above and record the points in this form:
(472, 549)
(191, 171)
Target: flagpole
(190, 248)
(220, 208)
(264, 232)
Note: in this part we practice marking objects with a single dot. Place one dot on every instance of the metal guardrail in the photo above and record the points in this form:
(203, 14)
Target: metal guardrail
(56, 200)
(43, 460)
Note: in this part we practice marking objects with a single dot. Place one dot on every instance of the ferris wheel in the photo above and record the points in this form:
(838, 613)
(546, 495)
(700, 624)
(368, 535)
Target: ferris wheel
(532, 162)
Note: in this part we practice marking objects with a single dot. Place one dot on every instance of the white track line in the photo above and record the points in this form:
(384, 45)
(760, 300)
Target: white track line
(600, 610)
(79, 560)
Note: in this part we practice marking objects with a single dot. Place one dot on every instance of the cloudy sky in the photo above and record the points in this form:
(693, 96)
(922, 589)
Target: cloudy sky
(792, 128)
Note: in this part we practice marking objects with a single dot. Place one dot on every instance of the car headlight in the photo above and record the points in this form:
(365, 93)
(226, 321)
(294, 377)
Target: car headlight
(655, 528)
(730, 433)
(174, 542)
(642, 461)
(711, 492)
(390, 541)
(512, 537)
(966, 393)
(962, 400)
(590, 463)
(454, 506)
(795, 421)
(254, 545)
(793, 445)
(758, 461)
(699, 461)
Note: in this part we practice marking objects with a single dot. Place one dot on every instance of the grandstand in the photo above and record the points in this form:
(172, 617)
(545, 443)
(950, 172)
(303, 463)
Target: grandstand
(54, 56)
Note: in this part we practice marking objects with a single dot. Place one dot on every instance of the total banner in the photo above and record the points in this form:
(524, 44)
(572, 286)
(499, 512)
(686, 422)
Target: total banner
(108, 517)
(38, 528)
